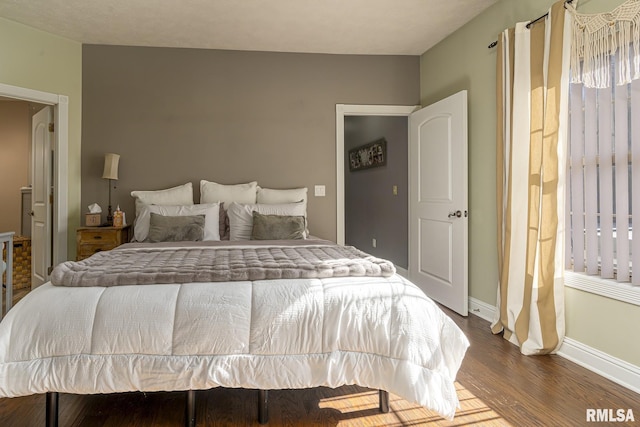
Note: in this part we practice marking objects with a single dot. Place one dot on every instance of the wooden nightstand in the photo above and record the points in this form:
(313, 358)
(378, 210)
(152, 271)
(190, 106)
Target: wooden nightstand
(91, 240)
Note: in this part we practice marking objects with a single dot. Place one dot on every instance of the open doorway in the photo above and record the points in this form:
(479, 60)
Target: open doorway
(376, 186)
(16, 190)
(362, 115)
(58, 219)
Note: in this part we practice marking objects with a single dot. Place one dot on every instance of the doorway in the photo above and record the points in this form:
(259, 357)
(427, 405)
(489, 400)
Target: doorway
(16, 140)
(438, 136)
(376, 196)
(59, 218)
(343, 111)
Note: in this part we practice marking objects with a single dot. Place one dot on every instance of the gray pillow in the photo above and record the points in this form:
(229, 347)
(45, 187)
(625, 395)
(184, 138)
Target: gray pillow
(175, 228)
(223, 222)
(277, 227)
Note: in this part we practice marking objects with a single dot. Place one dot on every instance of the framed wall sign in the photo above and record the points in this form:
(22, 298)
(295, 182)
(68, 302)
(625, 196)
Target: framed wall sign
(367, 156)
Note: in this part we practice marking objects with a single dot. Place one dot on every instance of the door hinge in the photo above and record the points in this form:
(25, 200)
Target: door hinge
(52, 127)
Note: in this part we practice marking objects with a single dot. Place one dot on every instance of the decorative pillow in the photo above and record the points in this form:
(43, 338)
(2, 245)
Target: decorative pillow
(209, 210)
(212, 192)
(241, 216)
(176, 228)
(277, 227)
(272, 196)
(180, 195)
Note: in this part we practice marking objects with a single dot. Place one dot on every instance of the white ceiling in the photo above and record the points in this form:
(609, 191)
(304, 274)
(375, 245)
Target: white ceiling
(378, 27)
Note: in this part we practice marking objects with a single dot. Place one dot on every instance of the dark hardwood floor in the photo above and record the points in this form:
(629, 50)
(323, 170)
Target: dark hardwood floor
(497, 386)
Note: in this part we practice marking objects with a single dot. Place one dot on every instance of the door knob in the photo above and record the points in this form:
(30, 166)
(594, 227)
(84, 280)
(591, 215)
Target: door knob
(456, 214)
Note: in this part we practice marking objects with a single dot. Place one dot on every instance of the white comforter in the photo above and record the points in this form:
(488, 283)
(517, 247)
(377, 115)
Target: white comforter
(375, 332)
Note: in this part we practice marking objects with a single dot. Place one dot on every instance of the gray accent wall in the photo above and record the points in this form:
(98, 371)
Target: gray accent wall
(372, 211)
(182, 115)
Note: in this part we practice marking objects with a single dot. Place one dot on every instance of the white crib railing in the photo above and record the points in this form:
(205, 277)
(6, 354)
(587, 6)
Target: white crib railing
(6, 241)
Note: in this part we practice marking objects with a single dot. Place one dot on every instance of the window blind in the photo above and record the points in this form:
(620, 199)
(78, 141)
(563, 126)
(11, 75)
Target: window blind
(604, 180)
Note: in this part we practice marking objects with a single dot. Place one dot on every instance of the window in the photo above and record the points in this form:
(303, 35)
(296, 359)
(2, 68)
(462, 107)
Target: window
(604, 181)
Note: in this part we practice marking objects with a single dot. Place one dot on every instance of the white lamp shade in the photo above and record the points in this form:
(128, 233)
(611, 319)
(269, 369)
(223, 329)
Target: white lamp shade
(111, 166)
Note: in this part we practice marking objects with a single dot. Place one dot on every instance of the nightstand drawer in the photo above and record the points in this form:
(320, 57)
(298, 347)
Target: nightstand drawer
(98, 236)
(91, 240)
(85, 250)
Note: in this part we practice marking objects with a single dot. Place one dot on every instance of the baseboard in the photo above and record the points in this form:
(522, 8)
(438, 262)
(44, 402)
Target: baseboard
(481, 309)
(617, 370)
(612, 368)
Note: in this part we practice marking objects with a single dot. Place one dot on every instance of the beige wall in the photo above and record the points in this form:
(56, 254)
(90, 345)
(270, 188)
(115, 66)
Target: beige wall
(37, 60)
(179, 115)
(463, 61)
(15, 138)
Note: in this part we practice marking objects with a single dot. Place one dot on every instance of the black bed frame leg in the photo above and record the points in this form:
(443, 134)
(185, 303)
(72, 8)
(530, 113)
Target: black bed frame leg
(51, 412)
(190, 411)
(384, 401)
(263, 407)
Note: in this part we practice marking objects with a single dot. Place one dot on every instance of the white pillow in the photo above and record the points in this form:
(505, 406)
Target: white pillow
(272, 196)
(211, 192)
(180, 195)
(293, 195)
(241, 216)
(210, 212)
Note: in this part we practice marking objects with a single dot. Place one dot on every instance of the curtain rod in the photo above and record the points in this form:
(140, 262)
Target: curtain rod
(492, 45)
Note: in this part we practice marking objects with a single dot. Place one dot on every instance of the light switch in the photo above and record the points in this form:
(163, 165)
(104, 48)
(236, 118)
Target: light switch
(395, 190)
(319, 191)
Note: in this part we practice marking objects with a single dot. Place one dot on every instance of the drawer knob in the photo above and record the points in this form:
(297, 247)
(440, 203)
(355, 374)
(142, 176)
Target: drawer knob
(97, 237)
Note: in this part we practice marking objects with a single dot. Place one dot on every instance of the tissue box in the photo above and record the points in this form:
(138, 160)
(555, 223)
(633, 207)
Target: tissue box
(92, 219)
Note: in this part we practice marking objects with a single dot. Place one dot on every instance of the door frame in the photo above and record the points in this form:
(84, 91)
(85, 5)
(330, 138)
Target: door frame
(60, 105)
(343, 110)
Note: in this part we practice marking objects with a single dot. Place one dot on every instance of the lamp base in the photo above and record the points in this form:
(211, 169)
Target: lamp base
(109, 222)
(109, 217)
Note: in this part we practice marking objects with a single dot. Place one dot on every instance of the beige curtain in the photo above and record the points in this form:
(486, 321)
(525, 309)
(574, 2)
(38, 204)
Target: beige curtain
(532, 93)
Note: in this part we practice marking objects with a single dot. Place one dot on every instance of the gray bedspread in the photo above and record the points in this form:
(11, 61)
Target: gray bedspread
(141, 264)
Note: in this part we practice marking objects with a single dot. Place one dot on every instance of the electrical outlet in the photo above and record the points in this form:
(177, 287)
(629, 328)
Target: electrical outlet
(374, 243)
(395, 190)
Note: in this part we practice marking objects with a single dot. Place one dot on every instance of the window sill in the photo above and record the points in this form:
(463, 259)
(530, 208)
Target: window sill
(624, 292)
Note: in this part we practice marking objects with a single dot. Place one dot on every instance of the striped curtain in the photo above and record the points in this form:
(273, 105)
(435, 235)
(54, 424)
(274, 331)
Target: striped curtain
(532, 94)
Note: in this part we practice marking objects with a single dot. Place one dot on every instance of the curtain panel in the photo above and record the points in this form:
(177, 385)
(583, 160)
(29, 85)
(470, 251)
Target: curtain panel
(532, 94)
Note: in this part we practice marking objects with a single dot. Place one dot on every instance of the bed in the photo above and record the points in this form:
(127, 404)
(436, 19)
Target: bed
(260, 314)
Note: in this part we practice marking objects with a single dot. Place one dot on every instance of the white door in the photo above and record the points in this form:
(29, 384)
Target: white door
(438, 215)
(41, 196)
